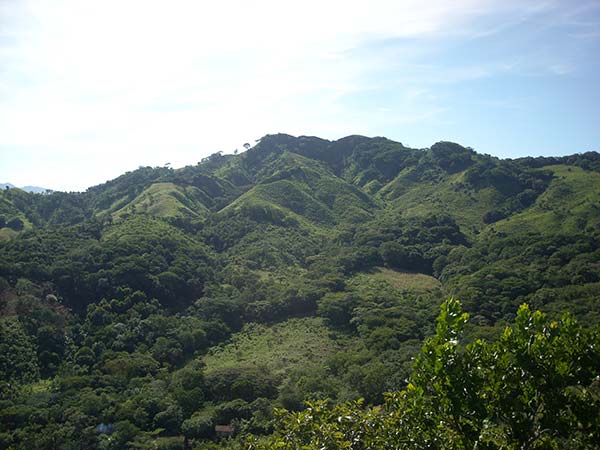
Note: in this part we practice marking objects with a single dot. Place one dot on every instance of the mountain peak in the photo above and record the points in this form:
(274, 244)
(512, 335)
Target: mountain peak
(31, 189)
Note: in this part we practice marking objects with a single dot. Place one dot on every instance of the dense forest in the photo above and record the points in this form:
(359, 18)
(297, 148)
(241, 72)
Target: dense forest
(302, 295)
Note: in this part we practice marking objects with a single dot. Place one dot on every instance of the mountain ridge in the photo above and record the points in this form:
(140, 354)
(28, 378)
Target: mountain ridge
(168, 301)
(286, 190)
(31, 189)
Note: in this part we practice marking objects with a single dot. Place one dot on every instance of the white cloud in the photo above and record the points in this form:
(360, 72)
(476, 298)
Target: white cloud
(176, 80)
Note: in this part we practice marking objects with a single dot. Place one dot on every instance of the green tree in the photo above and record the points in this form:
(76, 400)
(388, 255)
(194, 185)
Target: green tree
(537, 387)
(200, 426)
(18, 359)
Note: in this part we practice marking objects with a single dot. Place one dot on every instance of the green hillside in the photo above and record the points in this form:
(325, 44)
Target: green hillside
(145, 311)
(569, 205)
(165, 200)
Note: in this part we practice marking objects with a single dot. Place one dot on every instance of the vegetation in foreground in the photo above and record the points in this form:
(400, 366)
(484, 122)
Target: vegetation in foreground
(537, 387)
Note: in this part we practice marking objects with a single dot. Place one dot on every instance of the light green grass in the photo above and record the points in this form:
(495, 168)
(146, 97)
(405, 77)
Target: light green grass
(447, 195)
(408, 281)
(163, 200)
(570, 205)
(281, 348)
(6, 234)
(306, 191)
(40, 386)
(251, 201)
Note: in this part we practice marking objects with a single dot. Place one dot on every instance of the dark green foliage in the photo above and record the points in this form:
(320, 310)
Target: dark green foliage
(16, 224)
(337, 308)
(246, 383)
(507, 177)
(201, 425)
(115, 303)
(451, 157)
(18, 359)
(536, 387)
(188, 388)
(495, 275)
(587, 161)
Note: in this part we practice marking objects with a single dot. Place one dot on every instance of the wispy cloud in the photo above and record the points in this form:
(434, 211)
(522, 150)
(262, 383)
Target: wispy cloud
(186, 78)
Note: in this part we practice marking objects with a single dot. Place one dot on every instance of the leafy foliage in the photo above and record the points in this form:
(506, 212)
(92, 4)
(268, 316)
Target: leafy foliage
(536, 387)
(146, 311)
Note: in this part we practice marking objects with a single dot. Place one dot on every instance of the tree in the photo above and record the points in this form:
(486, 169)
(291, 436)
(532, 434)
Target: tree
(188, 388)
(16, 224)
(337, 308)
(200, 426)
(18, 360)
(537, 387)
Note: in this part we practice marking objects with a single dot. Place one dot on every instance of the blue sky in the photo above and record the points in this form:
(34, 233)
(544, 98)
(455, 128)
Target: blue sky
(91, 89)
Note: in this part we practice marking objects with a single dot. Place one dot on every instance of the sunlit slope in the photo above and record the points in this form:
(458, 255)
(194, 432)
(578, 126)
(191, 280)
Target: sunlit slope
(409, 282)
(546, 255)
(165, 200)
(449, 195)
(290, 211)
(571, 204)
(479, 191)
(307, 188)
(280, 349)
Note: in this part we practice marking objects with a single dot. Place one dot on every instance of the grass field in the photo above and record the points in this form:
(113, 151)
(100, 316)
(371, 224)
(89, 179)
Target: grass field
(410, 281)
(281, 348)
(382, 279)
(7, 234)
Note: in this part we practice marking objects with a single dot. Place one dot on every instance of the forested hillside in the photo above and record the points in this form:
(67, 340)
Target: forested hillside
(147, 310)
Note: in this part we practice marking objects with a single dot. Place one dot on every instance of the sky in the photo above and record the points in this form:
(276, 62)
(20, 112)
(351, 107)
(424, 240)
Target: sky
(91, 89)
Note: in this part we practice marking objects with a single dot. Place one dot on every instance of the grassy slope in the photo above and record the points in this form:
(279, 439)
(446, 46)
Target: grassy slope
(296, 202)
(449, 195)
(386, 286)
(281, 348)
(147, 229)
(164, 200)
(407, 281)
(303, 187)
(570, 205)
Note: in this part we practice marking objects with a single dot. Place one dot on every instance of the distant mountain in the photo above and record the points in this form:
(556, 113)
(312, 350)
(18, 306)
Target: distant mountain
(32, 189)
(36, 189)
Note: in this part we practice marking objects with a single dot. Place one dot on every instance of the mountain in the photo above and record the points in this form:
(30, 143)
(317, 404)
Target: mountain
(302, 268)
(36, 189)
(32, 189)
